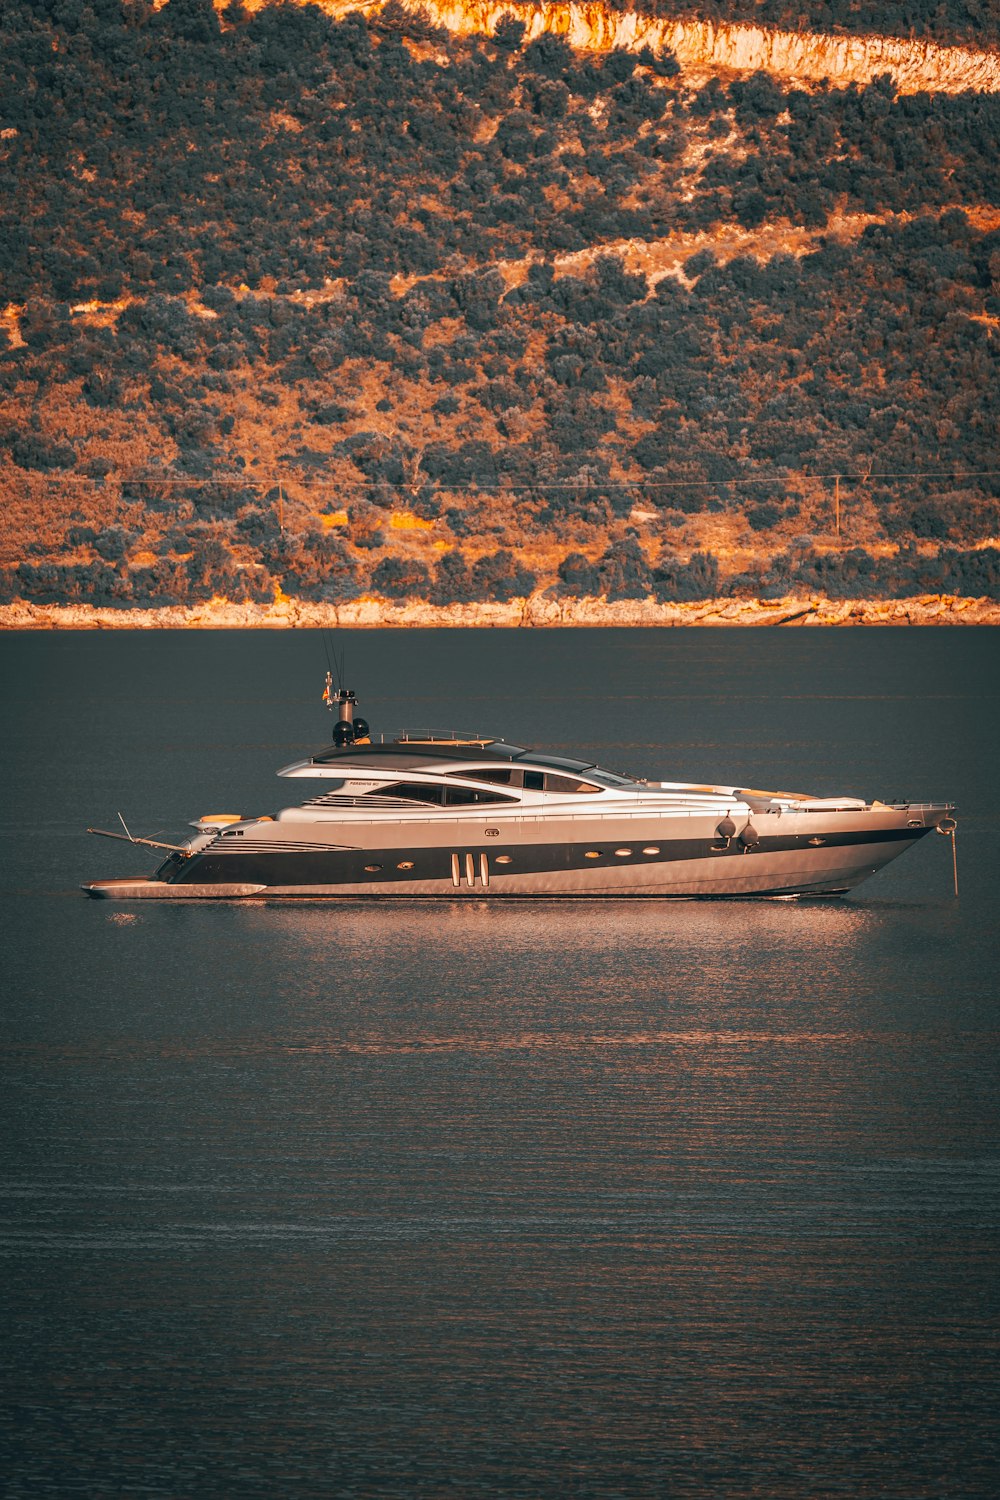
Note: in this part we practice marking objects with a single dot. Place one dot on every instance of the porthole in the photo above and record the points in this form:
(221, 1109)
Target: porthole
(592, 854)
(651, 849)
(404, 864)
(373, 869)
(503, 859)
(621, 853)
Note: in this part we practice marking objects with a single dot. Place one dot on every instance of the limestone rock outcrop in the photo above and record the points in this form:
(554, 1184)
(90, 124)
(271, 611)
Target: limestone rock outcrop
(541, 611)
(807, 57)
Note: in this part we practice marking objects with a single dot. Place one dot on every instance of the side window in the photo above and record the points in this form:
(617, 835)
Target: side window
(412, 791)
(436, 796)
(498, 778)
(554, 783)
(534, 781)
(462, 796)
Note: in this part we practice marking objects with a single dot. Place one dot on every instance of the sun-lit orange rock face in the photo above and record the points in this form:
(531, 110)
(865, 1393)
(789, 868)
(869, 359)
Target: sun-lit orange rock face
(913, 64)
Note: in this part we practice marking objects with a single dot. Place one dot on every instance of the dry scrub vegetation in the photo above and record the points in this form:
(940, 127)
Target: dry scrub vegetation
(323, 307)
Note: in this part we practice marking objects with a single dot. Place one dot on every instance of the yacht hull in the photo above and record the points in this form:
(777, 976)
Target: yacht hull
(819, 854)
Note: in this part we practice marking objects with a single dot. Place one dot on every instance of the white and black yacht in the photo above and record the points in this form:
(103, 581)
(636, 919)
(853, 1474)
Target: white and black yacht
(453, 815)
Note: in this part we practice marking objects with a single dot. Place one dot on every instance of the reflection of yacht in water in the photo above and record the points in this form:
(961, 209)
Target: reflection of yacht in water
(454, 815)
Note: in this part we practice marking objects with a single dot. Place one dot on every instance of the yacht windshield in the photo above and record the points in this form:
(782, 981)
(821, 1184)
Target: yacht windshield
(608, 778)
(560, 762)
(592, 772)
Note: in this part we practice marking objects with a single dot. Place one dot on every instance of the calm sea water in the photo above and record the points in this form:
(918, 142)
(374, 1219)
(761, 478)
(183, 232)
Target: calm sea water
(454, 1200)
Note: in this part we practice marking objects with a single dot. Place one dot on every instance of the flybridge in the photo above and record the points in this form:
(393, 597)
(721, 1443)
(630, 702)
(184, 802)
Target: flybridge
(354, 734)
(442, 737)
(412, 749)
(397, 753)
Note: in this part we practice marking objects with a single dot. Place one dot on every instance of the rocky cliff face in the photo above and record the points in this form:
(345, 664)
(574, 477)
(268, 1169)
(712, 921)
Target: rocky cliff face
(538, 612)
(915, 66)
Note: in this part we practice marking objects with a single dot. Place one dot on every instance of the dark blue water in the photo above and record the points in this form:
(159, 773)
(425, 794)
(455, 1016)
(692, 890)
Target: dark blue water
(453, 1200)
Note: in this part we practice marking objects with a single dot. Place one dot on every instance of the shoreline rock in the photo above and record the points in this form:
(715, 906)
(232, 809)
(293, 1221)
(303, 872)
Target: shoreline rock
(539, 612)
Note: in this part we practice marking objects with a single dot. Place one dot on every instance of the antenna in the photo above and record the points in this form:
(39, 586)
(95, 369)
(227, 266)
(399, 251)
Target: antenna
(125, 826)
(346, 731)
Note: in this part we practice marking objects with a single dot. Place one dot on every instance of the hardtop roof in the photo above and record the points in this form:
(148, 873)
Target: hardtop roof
(410, 757)
(407, 757)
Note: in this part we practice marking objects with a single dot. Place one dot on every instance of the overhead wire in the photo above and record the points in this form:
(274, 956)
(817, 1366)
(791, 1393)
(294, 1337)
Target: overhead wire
(482, 486)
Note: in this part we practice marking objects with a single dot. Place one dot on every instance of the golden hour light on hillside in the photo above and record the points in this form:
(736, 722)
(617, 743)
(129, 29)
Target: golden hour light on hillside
(405, 520)
(10, 321)
(913, 64)
(627, 317)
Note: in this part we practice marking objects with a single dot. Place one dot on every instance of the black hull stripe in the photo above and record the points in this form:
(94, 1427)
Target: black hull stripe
(326, 867)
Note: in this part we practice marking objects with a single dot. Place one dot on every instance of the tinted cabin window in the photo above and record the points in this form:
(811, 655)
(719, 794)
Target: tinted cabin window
(564, 783)
(411, 790)
(462, 796)
(548, 781)
(499, 777)
(535, 781)
(451, 796)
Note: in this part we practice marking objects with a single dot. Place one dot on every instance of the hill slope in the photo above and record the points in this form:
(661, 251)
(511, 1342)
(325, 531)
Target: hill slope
(326, 304)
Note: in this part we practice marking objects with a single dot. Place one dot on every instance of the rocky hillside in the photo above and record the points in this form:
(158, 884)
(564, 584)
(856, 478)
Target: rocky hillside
(469, 302)
(707, 45)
